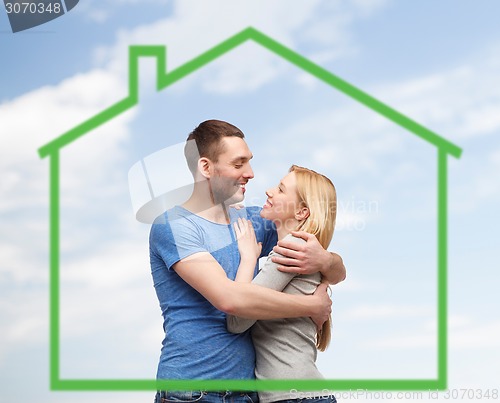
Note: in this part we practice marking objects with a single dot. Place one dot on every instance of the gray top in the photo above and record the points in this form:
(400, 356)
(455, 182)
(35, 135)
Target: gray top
(285, 348)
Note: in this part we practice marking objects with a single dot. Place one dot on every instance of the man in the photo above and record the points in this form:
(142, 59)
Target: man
(194, 260)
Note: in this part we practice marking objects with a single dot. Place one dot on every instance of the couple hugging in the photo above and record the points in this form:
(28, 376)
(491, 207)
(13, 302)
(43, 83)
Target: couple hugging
(224, 318)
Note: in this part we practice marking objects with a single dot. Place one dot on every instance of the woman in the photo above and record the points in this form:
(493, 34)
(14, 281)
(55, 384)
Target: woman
(287, 348)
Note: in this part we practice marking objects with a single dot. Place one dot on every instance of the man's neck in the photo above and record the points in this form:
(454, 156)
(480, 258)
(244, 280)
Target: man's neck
(201, 203)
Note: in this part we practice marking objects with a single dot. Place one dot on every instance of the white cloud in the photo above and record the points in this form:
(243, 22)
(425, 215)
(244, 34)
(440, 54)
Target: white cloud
(42, 114)
(30, 121)
(304, 24)
(26, 123)
(475, 181)
(343, 133)
(99, 16)
(422, 339)
(375, 312)
(120, 264)
(459, 103)
(457, 321)
(24, 318)
(254, 63)
(475, 336)
(108, 302)
(39, 116)
(101, 11)
(464, 333)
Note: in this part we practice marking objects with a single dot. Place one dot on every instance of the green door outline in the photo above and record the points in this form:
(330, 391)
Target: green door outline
(163, 80)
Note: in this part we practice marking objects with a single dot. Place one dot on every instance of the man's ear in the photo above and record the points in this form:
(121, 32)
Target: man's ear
(204, 167)
(302, 213)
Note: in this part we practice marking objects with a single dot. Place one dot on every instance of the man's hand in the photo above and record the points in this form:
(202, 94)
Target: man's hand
(308, 258)
(324, 306)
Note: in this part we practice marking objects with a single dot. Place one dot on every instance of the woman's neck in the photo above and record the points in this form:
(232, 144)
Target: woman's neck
(284, 229)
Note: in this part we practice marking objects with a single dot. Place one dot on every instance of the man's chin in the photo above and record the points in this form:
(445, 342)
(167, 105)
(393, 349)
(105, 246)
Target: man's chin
(234, 199)
(238, 197)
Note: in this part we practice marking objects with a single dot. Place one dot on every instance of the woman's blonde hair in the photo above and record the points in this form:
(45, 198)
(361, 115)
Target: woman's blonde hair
(317, 193)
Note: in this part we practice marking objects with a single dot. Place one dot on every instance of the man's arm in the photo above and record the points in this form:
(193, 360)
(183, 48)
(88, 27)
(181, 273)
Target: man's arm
(202, 272)
(309, 257)
(267, 277)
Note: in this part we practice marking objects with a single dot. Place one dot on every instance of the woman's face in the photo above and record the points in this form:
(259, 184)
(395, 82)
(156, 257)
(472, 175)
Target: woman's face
(282, 201)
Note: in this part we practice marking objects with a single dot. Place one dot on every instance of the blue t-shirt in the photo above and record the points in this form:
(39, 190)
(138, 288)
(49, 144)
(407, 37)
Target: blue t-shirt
(197, 344)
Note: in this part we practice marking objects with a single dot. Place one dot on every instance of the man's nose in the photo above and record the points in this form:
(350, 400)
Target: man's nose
(249, 172)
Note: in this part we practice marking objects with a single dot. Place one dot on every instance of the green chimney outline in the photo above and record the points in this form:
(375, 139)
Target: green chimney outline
(165, 79)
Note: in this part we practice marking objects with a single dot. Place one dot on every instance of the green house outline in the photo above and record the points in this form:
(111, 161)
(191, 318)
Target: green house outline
(163, 80)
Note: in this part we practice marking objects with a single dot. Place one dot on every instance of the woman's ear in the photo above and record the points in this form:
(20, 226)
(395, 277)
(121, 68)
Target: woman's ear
(204, 165)
(302, 213)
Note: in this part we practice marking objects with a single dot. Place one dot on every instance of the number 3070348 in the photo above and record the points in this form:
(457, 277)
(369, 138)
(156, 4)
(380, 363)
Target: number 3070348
(33, 8)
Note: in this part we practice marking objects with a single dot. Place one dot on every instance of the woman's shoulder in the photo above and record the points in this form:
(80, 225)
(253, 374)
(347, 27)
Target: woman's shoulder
(293, 238)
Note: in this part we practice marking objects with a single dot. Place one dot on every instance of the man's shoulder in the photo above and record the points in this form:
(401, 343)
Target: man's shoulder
(173, 220)
(173, 214)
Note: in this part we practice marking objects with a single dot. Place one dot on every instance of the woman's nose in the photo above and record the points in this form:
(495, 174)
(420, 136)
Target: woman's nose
(269, 193)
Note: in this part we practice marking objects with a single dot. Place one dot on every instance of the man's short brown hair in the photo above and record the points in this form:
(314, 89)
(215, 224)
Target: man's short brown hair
(208, 137)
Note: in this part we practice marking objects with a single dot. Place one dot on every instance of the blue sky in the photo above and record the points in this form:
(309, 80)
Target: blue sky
(436, 62)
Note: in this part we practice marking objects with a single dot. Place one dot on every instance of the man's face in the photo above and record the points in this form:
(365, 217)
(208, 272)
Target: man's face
(231, 172)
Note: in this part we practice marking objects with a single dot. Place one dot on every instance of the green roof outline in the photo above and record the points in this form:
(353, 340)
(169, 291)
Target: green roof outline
(165, 79)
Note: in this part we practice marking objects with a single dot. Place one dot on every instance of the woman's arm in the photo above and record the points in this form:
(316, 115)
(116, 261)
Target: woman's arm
(270, 277)
(249, 250)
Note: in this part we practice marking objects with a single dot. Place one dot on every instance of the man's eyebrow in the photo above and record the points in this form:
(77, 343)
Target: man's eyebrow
(241, 159)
